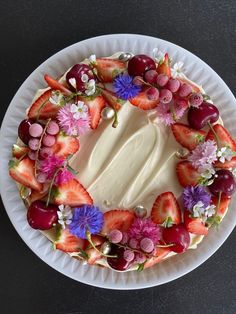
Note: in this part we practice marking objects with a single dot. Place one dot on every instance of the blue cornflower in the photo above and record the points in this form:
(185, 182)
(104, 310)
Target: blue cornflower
(86, 218)
(124, 86)
(193, 194)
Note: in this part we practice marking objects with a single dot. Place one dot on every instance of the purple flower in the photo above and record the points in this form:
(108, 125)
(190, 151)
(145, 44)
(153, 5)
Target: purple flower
(203, 156)
(171, 112)
(50, 165)
(144, 228)
(193, 194)
(63, 176)
(86, 217)
(124, 86)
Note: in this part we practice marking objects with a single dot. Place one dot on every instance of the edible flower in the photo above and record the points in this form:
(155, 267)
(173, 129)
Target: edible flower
(177, 69)
(158, 55)
(144, 228)
(92, 59)
(71, 122)
(90, 87)
(171, 112)
(124, 86)
(79, 110)
(86, 218)
(192, 195)
(64, 215)
(199, 211)
(225, 153)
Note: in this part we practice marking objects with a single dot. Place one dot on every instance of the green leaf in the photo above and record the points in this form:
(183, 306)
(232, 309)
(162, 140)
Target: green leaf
(206, 97)
(83, 254)
(11, 163)
(72, 170)
(214, 221)
(200, 138)
(141, 266)
(168, 222)
(121, 101)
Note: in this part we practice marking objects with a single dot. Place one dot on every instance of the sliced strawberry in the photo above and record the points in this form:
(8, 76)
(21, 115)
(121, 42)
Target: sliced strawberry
(93, 256)
(19, 151)
(166, 207)
(38, 195)
(71, 193)
(107, 69)
(55, 85)
(187, 174)
(120, 219)
(111, 99)
(194, 225)
(195, 88)
(65, 145)
(23, 172)
(42, 108)
(67, 242)
(187, 136)
(223, 137)
(165, 68)
(95, 108)
(159, 254)
(143, 102)
(222, 208)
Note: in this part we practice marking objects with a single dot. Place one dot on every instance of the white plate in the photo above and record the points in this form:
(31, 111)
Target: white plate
(170, 269)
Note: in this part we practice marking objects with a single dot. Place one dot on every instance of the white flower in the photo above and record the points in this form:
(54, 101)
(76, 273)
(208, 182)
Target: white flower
(206, 172)
(158, 55)
(64, 215)
(210, 211)
(90, 87)
(177, 69)
(92, 59)
(225, 153)
(72, 81)
(80, 110)
(198, 209)
(56, 97)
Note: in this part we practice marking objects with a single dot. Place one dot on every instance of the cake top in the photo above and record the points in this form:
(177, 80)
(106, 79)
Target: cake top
(124, 161)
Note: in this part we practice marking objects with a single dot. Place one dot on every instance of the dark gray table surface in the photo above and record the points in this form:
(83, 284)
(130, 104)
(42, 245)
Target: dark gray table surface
(30, 32)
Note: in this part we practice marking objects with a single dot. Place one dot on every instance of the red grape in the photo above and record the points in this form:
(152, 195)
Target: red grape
(185, 90)
(76, 72)
(40, 216)
(152, 93)
(150, 76)
(199, 117)
(179, 236)
(139, 64)
(173, 85)
(196, 99)
(23, 130)
(162, 80)
(165, 96)
(223, 182)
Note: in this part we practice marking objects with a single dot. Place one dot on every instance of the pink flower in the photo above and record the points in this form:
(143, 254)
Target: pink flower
(50, 165)
(171, 112)
(144, 228)
(70, 123)
(63, 176)
(203, 156)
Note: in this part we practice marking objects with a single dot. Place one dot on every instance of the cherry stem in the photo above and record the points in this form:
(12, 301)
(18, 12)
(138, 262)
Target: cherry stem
(51, 184)
(215, 135)
(40, 143)
(218, 203)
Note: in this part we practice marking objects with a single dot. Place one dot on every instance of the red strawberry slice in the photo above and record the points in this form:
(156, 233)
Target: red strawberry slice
(117, 219)
(71, 193)
(187, 174)
(69, 243)
(166, 207)
(107, 69)
(65, 145)
(39, 195)
(186, 136)
(55, 85)
(111, 99)
(19, 151)
(165, 68)
(95, 108)
(194, 225)
(96, 239)
(23, 172)
(223, 136)
(159, 254)
(223, 206)
(143, 102)
(93, 255)
(42, 108)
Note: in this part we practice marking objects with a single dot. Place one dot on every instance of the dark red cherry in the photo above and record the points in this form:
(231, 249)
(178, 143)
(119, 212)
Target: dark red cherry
(223, 182)
(179, 236)
(139, 64)
(23, 130)
(199, 117)
(77, 72)
(118, 263)
(40, 216)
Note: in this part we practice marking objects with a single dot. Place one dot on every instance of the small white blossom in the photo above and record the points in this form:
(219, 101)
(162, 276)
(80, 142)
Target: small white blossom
(158, 55)
(177, 69)
(198, 209)
(206, 172)
(72, 81)
(80, 110)
(64, 215)
(84, 78)
(92, 59)
(90, 87)
(225, 153)
(56, 97)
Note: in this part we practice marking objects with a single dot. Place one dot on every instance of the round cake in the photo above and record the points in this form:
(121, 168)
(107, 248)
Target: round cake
(123, 161)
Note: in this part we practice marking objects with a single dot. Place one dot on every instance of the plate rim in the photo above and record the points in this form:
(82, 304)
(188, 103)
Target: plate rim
(206, 255)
